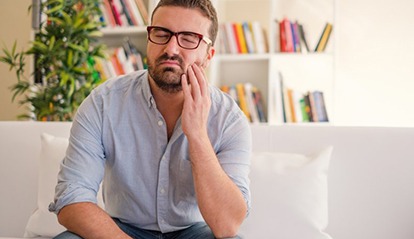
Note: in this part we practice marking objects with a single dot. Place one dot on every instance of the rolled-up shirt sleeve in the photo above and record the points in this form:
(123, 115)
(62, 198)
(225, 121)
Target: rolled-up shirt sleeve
(234, 153)
(82, 169)
(234, 143)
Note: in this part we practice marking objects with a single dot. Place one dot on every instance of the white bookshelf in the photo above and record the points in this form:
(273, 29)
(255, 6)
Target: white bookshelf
(302, 72)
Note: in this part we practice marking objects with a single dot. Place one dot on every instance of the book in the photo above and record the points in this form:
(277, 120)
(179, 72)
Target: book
(133, 55)
(305, 116)
(248, 37)
(241, 40)
(231, 38)
(100, 68)
(308, 107)
(282, 36)
(259, 37)
(292, 105)
(242, 100)
(223, 41)
(143, 10)
(252, 107)
(126, 11)
(109, 13)
(276, 36)
(138, 19)
(296, 38)
(286, 107)
(323, 40)
(124, 61)
(289, 47)
(276, 103)
(115, 12)
(303, 42)
(116, 64)
(313, 107)
(258, 101)
(297, 97)
(320, 106)
(225, 88)
(233, 94)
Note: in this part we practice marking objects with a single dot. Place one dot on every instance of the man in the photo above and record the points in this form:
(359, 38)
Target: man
(172, 151)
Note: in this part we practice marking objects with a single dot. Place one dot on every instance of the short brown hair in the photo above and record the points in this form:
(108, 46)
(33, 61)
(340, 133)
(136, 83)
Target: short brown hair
(205, 6)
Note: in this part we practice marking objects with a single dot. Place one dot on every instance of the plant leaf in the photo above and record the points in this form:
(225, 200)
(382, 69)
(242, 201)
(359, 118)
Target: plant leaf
(56, 20)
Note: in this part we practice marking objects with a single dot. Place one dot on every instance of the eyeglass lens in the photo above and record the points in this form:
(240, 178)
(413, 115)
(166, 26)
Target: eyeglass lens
(187, 40)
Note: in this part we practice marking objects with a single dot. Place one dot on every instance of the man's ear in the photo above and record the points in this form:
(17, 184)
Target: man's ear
(211, 52)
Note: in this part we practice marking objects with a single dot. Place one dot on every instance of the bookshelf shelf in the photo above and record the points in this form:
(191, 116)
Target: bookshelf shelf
(302, 72)
(132, 30)
(245, 57)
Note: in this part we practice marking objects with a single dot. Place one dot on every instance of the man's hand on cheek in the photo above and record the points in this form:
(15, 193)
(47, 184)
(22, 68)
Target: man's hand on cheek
(196, 102)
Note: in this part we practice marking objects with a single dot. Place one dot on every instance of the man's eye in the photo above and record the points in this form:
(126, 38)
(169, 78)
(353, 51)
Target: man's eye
(189, 38)
(162, 35)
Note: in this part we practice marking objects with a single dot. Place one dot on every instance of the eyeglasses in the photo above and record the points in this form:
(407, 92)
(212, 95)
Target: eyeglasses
(186, 40)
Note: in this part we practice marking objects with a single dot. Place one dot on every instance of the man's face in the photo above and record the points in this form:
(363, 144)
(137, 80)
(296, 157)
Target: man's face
(166, 63)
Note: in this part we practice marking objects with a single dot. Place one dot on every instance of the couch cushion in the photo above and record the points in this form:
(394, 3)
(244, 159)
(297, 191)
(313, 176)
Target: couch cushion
(289, 196)
(42, 222)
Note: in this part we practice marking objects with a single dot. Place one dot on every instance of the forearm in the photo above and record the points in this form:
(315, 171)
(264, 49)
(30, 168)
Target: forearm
(220, 201)
(89, 221)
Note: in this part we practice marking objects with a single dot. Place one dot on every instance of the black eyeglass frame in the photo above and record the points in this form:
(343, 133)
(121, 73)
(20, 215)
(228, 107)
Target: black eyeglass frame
(176, 34)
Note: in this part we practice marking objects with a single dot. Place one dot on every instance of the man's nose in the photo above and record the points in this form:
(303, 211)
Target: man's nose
(172, 46)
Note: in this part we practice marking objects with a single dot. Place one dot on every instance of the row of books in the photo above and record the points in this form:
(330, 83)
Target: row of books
(242, 38)
(292, 106)
(121, 60)
(290, 37)
(304, 107)
(124, 13)
(249, 99)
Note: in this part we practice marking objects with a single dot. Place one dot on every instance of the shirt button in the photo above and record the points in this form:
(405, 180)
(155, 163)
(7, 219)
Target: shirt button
(163, 157)
(160, 123)
(162, 221)
(162, 191)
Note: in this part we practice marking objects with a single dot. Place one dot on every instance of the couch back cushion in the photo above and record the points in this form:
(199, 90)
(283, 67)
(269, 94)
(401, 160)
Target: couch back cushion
(20, 145)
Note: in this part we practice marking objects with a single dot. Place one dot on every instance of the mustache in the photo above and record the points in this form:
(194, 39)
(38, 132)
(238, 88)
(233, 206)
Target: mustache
(166, 57)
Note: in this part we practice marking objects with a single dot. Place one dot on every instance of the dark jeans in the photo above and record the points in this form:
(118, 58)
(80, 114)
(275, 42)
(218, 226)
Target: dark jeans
(197, 231)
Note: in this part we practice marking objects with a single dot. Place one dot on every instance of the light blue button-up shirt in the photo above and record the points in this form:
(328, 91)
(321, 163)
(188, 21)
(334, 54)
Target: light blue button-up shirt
(120, 137)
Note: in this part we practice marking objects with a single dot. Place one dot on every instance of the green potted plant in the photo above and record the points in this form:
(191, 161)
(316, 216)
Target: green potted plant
(64, 50)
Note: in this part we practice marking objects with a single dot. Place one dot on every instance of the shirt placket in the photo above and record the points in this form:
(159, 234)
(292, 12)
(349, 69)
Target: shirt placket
(163, 177)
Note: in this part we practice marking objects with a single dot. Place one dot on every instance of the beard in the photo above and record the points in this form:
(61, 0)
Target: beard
(167, 79)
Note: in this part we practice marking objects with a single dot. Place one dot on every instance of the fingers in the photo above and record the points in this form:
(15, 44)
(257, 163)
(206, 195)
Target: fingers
(200, 75)
(184, 85)
(199, 86)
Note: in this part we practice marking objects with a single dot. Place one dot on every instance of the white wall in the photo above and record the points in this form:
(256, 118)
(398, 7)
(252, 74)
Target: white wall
(15, 24)
(375, 62)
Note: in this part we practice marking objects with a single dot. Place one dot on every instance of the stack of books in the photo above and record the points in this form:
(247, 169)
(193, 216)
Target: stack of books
(249, 99)
(242, 38)
(290, 37)
(304, 107)
(291, 106)
(122, 13)
(121, 60)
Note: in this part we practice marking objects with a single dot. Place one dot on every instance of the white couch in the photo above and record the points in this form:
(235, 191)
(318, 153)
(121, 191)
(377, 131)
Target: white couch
(370, 191)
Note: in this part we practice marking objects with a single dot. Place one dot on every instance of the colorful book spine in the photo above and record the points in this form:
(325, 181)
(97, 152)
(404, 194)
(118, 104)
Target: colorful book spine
(242, 100)
(240, 38)
(323, 40)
